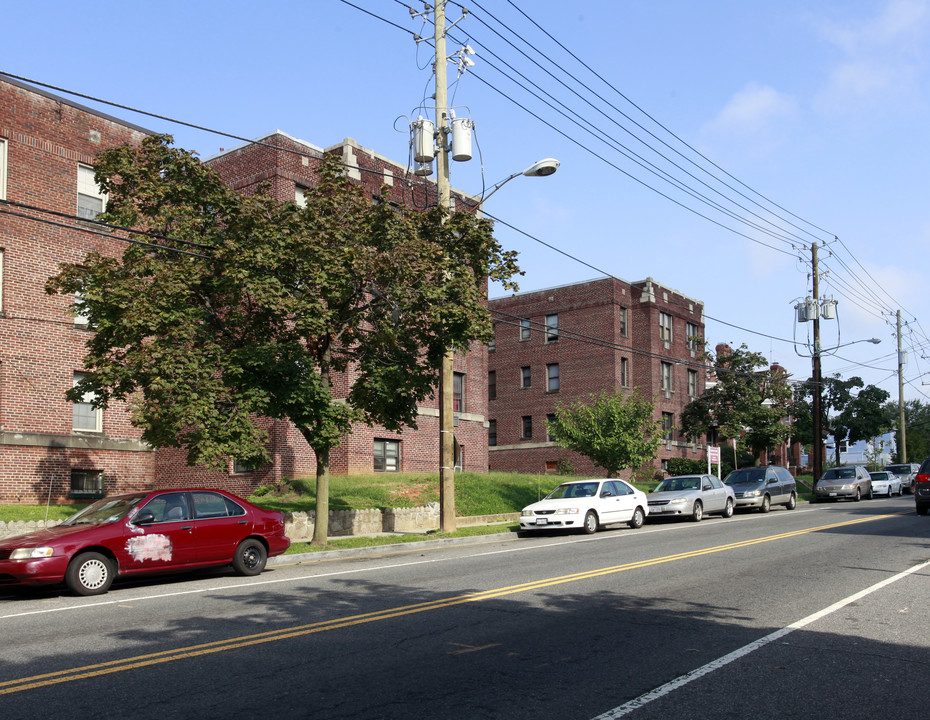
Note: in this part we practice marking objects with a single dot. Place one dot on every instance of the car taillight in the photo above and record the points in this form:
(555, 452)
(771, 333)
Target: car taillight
(922, 477)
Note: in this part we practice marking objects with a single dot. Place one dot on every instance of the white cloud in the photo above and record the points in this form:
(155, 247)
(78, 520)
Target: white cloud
(883, 56)
(757, 115)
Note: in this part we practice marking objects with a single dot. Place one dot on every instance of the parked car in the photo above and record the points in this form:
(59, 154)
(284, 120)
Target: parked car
(922, 488)
(762, 487)
(692, 496)
(905, 471)
(145, 532)
(845, 481)
(586, 505)
(886, 483)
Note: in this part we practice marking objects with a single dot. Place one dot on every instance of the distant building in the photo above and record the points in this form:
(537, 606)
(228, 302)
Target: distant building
(564, 343)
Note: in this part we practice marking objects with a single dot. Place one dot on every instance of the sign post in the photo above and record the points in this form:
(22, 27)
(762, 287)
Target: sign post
(713, 456)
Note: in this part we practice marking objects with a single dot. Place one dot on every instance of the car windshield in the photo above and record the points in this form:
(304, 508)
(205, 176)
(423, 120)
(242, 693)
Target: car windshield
(746, 475)
(879, 475)
(899, 469)
(839, 473)
(573, 490)
(105, 511)
(677, 484)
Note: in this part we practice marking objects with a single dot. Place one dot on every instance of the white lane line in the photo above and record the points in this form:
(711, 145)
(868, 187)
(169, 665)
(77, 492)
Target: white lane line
(720, 662)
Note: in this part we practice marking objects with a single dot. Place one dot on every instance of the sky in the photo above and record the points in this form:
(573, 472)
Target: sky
(707, 145)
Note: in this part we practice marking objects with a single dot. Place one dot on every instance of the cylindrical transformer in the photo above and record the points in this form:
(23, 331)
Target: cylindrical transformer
(424, 145)
(461, 139)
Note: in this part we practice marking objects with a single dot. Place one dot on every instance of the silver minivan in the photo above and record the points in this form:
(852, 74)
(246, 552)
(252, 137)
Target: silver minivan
(845, 481)
(907, 472)
(762, 487)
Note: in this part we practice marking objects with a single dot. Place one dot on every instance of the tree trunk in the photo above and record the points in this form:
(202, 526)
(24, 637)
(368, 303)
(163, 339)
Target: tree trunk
(321, 525)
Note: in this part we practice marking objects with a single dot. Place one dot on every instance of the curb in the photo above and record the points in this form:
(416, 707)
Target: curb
(392, 549)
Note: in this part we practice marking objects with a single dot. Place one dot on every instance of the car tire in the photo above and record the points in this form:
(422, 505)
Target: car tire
(250, 557)
(639, 517)
(728, 509)
(766, 504)
(590, 522)
(793, 502)
(858, 495)
(697, 512)
(922, 509)
(90, 573)
(871, 495)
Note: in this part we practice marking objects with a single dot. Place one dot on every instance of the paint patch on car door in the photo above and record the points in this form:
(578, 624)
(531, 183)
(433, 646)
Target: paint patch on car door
(148, 548)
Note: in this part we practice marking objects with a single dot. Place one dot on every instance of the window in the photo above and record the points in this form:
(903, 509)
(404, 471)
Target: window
(2, 169)
(458, 392)
(525, 378)
(693, 336)
(624, 326)
(552, 328)
(387, 455)
(552, 377)
(492, 385)
(91, 201)
(668, 420)
(84, 416)
(80, 318)
(692, 383)
(667, 377)
(240, 467)
(665, 327)
(492, 346)
(492, 433)
(1, 279)
(213, 505)
(527, 429)
(549, 420)
(524, 329)
(624, 372)
(300, 196)
(86, 483)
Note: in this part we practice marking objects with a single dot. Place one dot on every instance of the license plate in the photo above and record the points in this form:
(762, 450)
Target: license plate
(832, 494)
(656, 510)
(542, 521)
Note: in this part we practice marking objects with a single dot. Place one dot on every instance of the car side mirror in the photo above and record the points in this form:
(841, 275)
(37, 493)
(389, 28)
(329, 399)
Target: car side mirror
(607, 493)
(772, 481)
(708, 487)
(145, 517)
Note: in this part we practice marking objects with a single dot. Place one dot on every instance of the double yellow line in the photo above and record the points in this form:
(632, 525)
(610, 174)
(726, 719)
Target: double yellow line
(193, 651)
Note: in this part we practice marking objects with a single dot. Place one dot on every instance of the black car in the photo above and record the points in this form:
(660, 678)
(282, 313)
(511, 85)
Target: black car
(922, 488)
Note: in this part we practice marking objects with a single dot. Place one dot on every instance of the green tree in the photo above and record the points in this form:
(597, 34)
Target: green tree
(917, 419)
(236, 307)
(845, 413)
(615, 432)
(749, 402)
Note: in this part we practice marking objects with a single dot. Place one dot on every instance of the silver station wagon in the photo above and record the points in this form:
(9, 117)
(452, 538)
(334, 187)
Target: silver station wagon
(691, 496)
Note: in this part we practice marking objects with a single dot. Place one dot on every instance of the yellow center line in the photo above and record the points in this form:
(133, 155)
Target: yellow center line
(140, 661)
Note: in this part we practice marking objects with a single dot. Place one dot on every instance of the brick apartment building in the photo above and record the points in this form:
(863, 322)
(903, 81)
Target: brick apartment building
(51, 448)
(564, 343)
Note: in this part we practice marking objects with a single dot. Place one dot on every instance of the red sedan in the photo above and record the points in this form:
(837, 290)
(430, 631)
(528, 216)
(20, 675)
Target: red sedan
(145, 532)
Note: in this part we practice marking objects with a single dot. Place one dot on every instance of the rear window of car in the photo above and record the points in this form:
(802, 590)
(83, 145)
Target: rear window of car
(925, 467)
(899, 469)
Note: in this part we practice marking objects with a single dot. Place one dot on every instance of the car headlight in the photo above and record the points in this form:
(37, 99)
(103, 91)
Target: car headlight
(753, 493)
(31, 553)
(526, 513)
(678, 500)
(567, 511)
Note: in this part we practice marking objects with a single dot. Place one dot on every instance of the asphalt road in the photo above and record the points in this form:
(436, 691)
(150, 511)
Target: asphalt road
(813, 613)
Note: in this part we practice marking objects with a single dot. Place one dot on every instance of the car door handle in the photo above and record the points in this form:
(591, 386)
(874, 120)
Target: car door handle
(241, 522)
(187, 527)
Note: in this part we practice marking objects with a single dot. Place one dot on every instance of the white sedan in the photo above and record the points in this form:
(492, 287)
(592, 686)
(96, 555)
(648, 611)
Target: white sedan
(886, 483)
(586, 505)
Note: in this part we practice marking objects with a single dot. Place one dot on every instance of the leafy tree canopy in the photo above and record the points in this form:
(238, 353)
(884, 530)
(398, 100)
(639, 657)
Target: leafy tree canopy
(234, 307)
(749, 401)
(615, 432)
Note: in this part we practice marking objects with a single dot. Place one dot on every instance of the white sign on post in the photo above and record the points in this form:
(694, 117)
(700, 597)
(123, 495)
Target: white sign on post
(713, 456)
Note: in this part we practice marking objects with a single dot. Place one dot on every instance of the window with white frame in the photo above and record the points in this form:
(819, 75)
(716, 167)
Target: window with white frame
(300, 196)
(552, 328)
(624, 325)
(692, 383)
(526, 379)
(666, 370)
(524, 329)
(665, 327)
(86, 483)
(668, 422)
(624, 372)
(552, 377)
(458, 392)
(492, 346)
(84, 416)
(2, 168)
(90, 201)
(694, 337)
(550, 420)
(387, 456)
(80, 318)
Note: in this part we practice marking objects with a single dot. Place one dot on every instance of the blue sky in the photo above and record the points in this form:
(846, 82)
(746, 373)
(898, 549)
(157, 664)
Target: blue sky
(815, 115)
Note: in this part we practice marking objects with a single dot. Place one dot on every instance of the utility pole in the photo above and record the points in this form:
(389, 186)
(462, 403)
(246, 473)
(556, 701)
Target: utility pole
(902, 450)
(446, 424)
(817, 390)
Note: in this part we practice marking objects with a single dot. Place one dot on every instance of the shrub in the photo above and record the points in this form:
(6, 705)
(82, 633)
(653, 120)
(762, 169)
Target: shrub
(686, 466)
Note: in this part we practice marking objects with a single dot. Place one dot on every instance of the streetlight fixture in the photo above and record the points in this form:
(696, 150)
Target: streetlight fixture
(543, 168)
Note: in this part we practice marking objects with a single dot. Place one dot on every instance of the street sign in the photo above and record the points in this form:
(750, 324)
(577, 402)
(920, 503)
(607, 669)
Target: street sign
(713, 454)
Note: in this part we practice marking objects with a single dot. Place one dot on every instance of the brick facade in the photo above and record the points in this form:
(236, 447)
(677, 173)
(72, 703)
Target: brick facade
(594, 350)
(44, 139)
